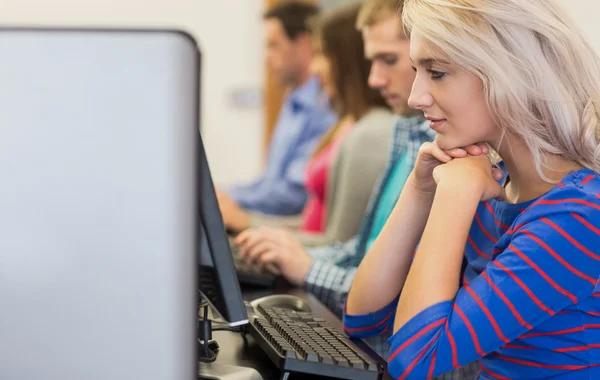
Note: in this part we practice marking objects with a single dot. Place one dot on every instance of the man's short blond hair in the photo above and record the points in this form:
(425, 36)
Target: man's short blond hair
(374, 11)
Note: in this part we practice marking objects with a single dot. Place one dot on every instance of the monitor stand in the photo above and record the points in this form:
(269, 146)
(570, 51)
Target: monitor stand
(208, 349)
(212, 371)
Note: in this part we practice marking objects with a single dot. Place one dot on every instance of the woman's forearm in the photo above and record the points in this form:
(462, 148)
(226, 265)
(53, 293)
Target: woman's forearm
(381, 274)
(435, 272)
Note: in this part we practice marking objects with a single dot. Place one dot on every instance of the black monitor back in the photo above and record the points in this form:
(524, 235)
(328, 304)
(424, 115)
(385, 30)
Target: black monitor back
(218, 279)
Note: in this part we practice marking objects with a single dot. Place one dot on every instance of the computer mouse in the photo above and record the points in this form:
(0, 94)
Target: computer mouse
(284, 301)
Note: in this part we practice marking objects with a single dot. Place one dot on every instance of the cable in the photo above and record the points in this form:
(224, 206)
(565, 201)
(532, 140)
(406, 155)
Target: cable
(219, 326)
(228, 328)
(207, 355)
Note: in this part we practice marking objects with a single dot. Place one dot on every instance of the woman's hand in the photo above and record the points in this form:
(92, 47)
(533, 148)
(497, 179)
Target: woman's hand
(473, 174)
(431, 156)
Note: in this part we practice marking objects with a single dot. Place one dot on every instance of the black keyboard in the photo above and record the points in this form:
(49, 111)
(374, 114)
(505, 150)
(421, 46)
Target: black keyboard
(303, 342)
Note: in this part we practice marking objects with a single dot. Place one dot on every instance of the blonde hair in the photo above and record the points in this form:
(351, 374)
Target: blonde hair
(540, 75)
(374, 11)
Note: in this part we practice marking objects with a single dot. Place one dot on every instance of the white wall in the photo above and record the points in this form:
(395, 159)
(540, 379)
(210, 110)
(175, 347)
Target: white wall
(585, 12)
(230, 35)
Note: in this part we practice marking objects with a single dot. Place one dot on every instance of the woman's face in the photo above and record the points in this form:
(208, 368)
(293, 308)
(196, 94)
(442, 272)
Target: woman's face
(451, 98)
(321, 67)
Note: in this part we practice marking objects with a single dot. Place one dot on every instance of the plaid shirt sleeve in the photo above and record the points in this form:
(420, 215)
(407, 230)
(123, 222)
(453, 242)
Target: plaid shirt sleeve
(328, 281)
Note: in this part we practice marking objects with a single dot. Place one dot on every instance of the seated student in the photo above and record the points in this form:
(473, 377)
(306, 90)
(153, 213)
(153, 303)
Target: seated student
(340, 65)
(517, 76)
(305, 115)
(338, 198)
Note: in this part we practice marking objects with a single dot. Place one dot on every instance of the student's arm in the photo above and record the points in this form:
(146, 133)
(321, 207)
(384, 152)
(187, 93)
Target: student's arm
(435, 271)
(373, 301)
(553, 261)
(237, 192)
(285, 198)
(373, 324)
(382, 273)
(380, 276)
(289, 195)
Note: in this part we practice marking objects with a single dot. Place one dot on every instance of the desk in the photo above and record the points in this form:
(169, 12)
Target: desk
(234, 350)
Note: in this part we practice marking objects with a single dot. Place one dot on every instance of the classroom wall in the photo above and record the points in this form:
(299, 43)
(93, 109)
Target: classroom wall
(585, 12)
(230, 34)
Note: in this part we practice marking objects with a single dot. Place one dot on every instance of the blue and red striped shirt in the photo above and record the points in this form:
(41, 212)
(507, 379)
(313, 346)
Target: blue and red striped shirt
(529, 307)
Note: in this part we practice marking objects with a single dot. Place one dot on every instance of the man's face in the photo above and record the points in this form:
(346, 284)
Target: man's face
(391, 70)
(282, 55)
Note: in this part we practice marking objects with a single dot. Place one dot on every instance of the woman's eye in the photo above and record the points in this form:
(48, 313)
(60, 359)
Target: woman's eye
(436, 74)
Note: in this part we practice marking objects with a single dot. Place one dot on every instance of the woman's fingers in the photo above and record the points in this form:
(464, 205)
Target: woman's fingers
(498, 174)
(457, 153)
(433, 150)
(439, 153)
(477, 149)
(485, 149)
(474, 150)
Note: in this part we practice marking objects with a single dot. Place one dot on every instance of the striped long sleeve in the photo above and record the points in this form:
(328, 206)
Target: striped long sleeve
(531, 309)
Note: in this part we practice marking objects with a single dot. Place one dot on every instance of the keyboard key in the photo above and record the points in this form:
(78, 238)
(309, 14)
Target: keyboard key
(339, 358)
(372, 367)
(357, 363)
(327, 360)
(289, 354)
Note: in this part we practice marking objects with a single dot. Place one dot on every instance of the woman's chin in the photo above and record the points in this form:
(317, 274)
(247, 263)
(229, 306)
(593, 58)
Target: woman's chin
(448, 143)
(445, 143)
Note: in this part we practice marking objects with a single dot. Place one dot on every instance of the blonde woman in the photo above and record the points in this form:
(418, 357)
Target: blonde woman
(496, 264)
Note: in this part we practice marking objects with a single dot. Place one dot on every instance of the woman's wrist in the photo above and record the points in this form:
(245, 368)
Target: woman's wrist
(461, 189)
(417, 192)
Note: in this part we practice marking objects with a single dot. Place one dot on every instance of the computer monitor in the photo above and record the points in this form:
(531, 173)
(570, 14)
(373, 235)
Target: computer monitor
(99, 205)
(218, 283)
